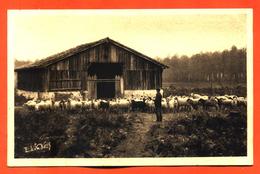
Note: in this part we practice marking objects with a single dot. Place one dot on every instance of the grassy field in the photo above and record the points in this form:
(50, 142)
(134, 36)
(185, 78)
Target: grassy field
(202, 84)
(95, 134)
(182, 88)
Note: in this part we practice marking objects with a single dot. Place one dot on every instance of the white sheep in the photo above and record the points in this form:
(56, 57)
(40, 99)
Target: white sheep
(43, 105)
(150, 104)
(182, 103)
(87, 104)
(30, 104)
(113, 105)
(164, 104)
(74, 104)
(172, 104)
(96, 104)
(228, 103)
(123, 104)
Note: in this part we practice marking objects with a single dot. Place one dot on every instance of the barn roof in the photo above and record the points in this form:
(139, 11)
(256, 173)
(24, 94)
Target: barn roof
(65, 54)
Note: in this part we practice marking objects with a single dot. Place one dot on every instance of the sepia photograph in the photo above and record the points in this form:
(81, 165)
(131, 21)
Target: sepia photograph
(148, 87)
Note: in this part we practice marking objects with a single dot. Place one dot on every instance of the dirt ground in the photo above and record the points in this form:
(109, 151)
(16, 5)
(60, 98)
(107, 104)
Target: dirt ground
(137, 139)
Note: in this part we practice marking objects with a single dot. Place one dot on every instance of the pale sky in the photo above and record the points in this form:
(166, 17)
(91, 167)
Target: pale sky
(156, 33)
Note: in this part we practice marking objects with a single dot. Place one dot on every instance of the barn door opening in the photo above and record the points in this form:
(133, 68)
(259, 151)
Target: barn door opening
(107, 79)
(105, 90)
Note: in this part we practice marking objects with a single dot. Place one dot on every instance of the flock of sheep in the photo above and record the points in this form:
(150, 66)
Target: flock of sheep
(142, 103)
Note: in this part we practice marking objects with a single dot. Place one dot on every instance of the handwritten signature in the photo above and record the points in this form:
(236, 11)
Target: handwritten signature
(42, 146)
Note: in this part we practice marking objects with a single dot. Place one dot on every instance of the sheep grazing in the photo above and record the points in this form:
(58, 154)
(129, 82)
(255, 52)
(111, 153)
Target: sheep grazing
(143, 103)
(195, 96)
(56, 105)
(164, 105)
(43, 105)
(228, 103)
(172, 104)
(138, 105)
(124, 104)
(30, 104)
(104, 105)
(183, 104)
(230, 96)
(150, 104)
(198, 96)
(87, 105)
(113, 105)
(209, 103)
(241, 102)
(194, 103)
(74, 104)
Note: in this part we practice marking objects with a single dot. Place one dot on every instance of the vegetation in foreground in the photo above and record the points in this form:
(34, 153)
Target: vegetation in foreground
(99, 134)
(89, 134)
(200, 134)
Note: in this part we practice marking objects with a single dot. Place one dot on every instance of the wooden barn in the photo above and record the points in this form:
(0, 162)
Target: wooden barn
(104, 68)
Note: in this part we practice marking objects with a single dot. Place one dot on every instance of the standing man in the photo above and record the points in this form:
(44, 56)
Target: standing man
(158, 105)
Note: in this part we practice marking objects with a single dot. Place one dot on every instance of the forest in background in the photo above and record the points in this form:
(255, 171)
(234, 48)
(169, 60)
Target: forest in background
(228, 66)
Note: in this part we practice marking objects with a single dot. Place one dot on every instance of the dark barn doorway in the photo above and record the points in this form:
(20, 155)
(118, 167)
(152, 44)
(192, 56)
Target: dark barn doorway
(105, 73)
(105, 89)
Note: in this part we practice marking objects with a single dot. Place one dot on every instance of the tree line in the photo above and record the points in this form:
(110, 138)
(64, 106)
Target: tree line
(226, 66)
(19, 63)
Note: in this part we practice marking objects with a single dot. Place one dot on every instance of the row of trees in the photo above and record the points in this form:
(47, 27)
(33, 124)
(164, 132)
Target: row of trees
(225, 66)
(19, 63)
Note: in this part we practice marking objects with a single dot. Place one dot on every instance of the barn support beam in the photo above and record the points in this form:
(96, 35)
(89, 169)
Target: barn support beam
(46, 85)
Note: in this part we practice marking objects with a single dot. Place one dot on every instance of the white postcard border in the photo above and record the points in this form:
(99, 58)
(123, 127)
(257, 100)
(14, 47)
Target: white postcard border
(172, 161)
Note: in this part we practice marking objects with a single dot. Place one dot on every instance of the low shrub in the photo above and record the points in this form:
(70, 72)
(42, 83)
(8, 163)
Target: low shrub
(88, 134)
(201, 134)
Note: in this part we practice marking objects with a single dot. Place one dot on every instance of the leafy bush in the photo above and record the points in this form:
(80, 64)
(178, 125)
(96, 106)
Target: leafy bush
(97, 134)
(88, 134)
(35, 127)
(201, 134)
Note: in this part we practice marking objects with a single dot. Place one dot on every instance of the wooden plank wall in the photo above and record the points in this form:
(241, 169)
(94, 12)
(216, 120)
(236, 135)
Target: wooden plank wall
(92, 86)
(71, 73)
(30, 80)
(118, 92)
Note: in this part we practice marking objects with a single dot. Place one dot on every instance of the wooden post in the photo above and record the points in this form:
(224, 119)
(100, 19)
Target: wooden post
(89, 87)
(95, 87)
(46, 82)
(117, 86)
(122, 86)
